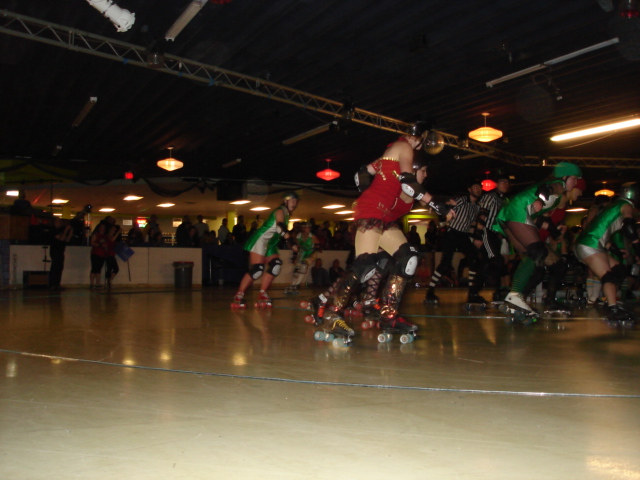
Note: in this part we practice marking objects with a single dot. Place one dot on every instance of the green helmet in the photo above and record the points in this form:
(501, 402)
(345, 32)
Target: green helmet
(631, 192)
(289, 195)
(566, 169)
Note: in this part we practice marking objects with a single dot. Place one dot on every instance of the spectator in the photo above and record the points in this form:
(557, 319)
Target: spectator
(182, 232)
(240, 231)
(112, 269)
(201, 227)
(135, 236)
(78, 232)
(61, 236)
(98, 242)
(151, 228)
(413, 237)
(335, 271)
(319, 274)
(223, 231)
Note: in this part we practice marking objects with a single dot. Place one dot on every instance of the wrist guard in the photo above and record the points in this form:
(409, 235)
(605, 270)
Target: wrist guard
(281, 229)
(544, 192)
(363, 178)
(440, 207)
(410, 185)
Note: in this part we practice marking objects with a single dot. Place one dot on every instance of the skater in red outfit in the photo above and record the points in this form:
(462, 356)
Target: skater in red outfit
(396, 183)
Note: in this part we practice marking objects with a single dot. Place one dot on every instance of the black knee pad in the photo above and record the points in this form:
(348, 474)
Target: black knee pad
(365, 266)
(384, 262)
(406, 261)
(616, 275)
(256, 270)
(273, 268)
(537, 251)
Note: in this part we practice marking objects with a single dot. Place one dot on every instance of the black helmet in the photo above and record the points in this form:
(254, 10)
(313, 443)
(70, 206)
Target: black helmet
(631, 192)
(417, 129)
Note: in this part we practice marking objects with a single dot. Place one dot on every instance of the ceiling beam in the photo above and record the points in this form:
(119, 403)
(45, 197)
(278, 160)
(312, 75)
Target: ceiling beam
(79, 41)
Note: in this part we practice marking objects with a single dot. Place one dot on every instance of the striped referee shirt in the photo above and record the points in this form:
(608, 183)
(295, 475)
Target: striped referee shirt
(466, 214)
(490, 203)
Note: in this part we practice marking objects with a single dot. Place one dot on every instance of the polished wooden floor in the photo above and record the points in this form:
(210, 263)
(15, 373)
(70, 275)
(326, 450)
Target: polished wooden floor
(165, 384)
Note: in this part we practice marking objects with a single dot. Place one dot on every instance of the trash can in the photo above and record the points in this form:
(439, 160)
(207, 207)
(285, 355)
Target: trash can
(183, 274)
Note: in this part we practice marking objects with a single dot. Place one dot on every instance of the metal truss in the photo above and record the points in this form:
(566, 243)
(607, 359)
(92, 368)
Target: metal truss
(79, 41)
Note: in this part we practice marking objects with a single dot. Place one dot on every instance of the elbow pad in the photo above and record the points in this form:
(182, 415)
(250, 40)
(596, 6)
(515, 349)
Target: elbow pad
(281, 229)
(629, 229)
(362, 178)
(544, 192)
(410, 186)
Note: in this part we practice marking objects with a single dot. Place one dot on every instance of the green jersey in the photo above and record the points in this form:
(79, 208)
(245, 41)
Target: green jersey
(598, 233)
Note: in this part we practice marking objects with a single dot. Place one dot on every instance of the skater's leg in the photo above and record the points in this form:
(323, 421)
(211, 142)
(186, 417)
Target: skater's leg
(610, 273)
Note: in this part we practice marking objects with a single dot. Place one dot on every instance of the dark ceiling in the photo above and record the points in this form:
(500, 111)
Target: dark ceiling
(404, 59)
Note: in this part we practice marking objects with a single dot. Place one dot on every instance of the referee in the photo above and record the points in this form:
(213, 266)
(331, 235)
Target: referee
(490, 261)
(457, 237)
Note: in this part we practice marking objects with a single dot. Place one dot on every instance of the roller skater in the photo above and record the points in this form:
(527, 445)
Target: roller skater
(397, 183)
(516, 220)
(308, 248)
(264, 258)
(591, 248)
(238, 301)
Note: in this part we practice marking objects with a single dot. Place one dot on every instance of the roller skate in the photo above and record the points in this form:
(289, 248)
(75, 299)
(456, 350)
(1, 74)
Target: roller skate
(475, 301)
(264, 301)
(336, 331)
(517, 310)
(354, 310)
(431, 298)
(238, 302)
(498, 296)
(317, 306)
(618, 317)
(371, 314)
(553, 307)
(408, 331)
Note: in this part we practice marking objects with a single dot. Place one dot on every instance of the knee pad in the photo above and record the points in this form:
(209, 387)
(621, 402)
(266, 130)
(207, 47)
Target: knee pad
(537, 251)
(616, 275)
(365, 266)
(406, 261)
(384, 262)
(273, 268)
(302, 268)
(256, 271)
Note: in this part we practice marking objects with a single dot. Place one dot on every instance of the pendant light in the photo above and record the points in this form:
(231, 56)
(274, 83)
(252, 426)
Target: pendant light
(488, 184)
(485, 134)
(605, 191)
(170, 163)
(328, 174)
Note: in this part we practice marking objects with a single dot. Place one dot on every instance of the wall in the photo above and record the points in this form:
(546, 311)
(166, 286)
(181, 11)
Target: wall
(148, 266)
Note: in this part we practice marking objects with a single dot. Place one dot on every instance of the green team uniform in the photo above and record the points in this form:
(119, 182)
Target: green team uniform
(305, 247)
(599, 232)
(520, 208)
(264, 241)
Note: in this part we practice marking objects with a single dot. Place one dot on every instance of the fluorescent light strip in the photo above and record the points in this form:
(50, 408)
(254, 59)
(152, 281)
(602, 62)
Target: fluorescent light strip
(166, 205)
(592, 131)
(132, 198)
(259, 209)
(183, 20)
(240, 202)
(332, 207)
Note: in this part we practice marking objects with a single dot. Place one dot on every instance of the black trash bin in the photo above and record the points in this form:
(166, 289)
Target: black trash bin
(183, 274)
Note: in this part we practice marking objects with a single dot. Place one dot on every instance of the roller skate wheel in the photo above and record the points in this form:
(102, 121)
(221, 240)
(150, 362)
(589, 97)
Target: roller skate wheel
(328, 337)
(385, 337)
(338, 342)
(318, 336)
(306, 305)
(367, 324)
(406, 338)
(309, 319)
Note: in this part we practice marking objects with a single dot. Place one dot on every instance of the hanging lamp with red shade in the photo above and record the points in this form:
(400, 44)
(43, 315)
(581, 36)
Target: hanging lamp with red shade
(328, 174)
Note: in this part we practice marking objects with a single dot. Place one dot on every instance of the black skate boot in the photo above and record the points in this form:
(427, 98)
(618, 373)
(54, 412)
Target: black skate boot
(431, 298)
(618, 317)
(408, 331)
(553, 307)
(475, 301)
(317, 305)
(336, 331)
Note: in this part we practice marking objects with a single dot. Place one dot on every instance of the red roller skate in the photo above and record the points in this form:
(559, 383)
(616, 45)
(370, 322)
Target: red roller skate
(264, 301)
(238, 302)
(317, 306)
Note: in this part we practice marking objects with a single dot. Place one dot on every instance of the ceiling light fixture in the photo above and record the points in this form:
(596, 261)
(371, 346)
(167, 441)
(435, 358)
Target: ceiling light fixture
(240, 202)
(84, 112)
(629, 9)
(592, 131)
(59, 201)
(170, 163)
(333, 207)
(106, 209)
(577, 209)
(344, 212)
(13, 193)
(132, 198)
(605, 191)
(485, 134)
(488, 184)
(183, 20)
(327, 174)
(259, 209)
(166, 205)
